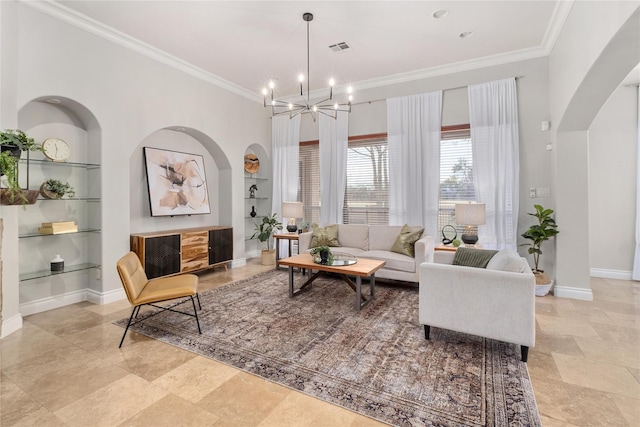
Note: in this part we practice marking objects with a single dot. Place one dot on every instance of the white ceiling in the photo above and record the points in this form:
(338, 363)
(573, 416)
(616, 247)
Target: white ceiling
(247, 43)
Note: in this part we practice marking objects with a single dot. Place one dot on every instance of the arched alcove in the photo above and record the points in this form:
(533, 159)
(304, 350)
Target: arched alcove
(66, 119)
(217, 169)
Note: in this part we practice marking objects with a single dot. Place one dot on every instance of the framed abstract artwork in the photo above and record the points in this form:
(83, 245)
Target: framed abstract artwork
(176, 182)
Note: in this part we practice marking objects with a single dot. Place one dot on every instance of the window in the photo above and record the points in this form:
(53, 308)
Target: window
(367, 189)
(456, 172)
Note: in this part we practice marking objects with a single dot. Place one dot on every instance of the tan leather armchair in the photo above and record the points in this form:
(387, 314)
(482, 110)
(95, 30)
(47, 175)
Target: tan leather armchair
(142, 291)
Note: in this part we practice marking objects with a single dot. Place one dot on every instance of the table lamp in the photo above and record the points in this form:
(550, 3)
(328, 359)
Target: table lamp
(470, 215)
(292, 210)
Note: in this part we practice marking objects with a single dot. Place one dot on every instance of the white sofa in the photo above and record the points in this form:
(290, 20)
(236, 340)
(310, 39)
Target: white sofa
(489, 302)
(375, 242)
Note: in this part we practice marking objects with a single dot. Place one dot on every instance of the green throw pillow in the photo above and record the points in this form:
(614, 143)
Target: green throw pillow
(324, 236)
(469, 257)
(406, 240)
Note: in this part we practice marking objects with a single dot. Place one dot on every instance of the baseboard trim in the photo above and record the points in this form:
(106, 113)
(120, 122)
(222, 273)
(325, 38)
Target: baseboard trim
(49, 303)
(105, 297)
(573, 293)
(239, 262)
(611, 274)
(11, 325)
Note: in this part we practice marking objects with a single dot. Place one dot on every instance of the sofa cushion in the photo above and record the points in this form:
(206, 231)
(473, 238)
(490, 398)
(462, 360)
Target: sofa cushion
(393, 261)
(354, 235)
(507, 260)
(382, 237)
(406, 240)
(469, 257)
(324, 236)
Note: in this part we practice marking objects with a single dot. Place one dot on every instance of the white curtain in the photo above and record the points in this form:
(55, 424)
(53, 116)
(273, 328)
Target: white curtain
(285, 149)
(413, 129)
(636, 258)
(493, 110)
(334, 140)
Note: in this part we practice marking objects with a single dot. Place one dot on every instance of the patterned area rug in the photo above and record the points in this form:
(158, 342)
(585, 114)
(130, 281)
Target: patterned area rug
(375, 362)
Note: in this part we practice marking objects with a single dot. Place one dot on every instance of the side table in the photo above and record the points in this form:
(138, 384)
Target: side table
(284, 236)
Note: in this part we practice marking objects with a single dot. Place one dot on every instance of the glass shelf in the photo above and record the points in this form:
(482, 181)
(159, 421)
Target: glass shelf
(68, 164)
(71, 199)
(49, 273)
(87, 230)
(257, 178)
(256, 198)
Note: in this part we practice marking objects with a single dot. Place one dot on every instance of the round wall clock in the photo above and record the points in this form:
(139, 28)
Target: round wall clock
(56, 149)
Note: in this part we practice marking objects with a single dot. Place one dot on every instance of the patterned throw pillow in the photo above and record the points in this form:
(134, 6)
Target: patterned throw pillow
(324, 236)
(469, 257)
(406, 241)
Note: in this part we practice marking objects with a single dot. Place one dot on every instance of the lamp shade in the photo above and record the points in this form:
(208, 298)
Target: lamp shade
(470, 213)
(292, 210)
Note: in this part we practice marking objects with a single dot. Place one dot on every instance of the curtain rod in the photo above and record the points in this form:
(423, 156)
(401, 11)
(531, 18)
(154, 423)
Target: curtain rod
(449, 88)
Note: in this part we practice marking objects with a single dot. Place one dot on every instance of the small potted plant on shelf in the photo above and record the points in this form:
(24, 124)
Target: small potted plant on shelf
(322, 255)
(263, 232)
(55, 189)
(12, 143)
(539, 233)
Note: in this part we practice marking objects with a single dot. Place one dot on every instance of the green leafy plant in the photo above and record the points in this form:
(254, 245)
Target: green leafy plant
(12, 143)
(318, 251)
(17, 138)
(9, 168)
(305, 225)
(456, 242)
(58, 188)
(539, 233)
(265, 229)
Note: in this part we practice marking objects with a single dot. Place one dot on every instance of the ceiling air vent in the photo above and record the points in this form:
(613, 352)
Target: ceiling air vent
(338, 47)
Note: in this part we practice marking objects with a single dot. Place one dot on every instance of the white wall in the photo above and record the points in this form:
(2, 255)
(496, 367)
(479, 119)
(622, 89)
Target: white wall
(612, 184)
(132, 97)
(536, 165)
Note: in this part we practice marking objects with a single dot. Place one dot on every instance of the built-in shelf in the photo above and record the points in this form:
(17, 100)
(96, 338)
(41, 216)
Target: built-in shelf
(88, 230)
(70, 199)
(48, 273)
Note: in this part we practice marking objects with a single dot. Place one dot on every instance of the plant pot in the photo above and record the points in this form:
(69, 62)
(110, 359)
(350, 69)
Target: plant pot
(49, 194)
(542, 290)
(30, 195)
(268, 257)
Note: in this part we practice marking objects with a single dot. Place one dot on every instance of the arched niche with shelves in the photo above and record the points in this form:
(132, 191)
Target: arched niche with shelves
(72, 122)
(260, 203)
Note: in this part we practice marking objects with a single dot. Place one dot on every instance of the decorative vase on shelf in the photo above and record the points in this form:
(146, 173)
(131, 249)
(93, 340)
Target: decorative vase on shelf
(57, 264)
(253, 212)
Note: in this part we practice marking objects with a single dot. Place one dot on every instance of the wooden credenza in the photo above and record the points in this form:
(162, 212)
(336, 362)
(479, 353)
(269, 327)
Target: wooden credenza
(164, 253)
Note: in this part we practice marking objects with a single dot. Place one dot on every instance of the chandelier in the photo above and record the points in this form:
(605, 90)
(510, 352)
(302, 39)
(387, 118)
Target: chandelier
(327, 106)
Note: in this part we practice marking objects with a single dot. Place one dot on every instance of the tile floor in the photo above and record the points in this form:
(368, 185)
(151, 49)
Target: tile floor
(64, 368)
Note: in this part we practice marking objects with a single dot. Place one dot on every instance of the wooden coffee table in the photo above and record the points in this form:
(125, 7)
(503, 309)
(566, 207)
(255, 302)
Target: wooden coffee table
(363, 268)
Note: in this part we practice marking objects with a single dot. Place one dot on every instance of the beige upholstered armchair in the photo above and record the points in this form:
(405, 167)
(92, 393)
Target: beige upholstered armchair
(141, 291)
(489, 302)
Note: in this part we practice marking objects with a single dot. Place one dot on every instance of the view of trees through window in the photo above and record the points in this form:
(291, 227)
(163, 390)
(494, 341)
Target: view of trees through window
(367, 187)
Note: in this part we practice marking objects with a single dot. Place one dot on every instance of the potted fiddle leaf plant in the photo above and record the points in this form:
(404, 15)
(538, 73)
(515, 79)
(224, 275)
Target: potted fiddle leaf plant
(12, 143)
(263, 232)
(539, 233)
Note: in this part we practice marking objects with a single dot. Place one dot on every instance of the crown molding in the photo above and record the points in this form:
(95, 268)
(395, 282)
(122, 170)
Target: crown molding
(65, 14)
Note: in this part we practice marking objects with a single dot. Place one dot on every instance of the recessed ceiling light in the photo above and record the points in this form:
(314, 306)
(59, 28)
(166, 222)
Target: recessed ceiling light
(54, 101)
(440, 13)
(465, 34)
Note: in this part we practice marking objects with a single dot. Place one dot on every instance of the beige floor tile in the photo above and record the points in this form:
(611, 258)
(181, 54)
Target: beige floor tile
(577, 405)
(362, 421)
(301, 410)
(552, 422)
(66, 320)
(15, 403)
(244, 400)
(40, 417)
(113, 307)
(598, 350)
(28, 343)
(617, 334)
(542, 366)
(196, 378)
(596, 375)
(113, 404)
(630, 409)
(554, 325)
(171, 411)
(565, 344)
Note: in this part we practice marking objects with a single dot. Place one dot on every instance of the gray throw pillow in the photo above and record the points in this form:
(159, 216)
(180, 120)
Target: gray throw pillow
(469, 257)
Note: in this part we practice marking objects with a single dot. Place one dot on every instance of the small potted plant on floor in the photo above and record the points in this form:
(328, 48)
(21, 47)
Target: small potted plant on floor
(12, 144)
(55, 189)
(539, 233)
(263, 232)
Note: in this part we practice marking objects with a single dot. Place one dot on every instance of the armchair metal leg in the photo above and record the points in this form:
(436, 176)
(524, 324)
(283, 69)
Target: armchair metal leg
(427, 330)
(196, 312)
(198, 297)
(525, 352)
(134, 312)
